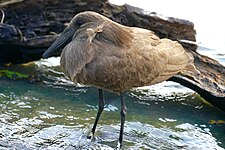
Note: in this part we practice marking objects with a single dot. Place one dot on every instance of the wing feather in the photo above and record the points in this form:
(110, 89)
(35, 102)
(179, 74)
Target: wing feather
(177, 58)
(165, 59)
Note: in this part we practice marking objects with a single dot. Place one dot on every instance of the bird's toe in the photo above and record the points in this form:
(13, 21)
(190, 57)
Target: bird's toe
(91, 136)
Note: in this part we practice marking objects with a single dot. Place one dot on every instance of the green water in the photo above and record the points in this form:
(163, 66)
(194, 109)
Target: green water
(49, 112)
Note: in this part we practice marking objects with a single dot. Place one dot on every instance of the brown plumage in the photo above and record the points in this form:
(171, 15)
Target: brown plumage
(116, 58)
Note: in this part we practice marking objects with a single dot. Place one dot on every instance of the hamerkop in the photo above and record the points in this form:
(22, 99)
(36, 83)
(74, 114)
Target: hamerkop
(100, 52)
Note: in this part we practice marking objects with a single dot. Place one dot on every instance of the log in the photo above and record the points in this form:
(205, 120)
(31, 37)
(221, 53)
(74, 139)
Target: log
(209, 82)
(29, 28)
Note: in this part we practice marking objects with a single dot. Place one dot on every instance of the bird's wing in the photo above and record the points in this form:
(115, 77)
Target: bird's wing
(176, 59)
(163, 58)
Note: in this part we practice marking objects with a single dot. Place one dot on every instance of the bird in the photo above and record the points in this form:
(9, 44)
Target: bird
(113, 57)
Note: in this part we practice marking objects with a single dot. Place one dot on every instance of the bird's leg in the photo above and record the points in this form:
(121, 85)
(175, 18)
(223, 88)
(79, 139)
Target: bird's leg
(100, 109)
(123, 113)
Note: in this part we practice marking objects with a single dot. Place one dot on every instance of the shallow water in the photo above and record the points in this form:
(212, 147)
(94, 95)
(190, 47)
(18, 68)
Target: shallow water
(51, 113)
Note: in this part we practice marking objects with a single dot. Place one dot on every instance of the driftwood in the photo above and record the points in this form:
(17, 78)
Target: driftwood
(27, 28)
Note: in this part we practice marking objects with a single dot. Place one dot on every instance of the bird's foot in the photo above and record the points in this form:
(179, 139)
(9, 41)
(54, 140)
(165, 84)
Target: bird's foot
(91, 136)
(119, 146)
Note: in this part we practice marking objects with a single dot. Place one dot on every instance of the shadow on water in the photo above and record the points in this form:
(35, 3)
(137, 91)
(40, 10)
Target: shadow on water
(53, 114)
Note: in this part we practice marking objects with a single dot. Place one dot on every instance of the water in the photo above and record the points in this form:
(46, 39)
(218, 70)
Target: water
(49, 112)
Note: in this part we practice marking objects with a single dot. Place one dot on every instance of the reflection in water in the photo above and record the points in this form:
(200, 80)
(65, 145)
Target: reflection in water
(54, 114)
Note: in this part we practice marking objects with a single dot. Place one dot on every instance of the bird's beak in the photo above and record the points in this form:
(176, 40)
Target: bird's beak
(64, 38)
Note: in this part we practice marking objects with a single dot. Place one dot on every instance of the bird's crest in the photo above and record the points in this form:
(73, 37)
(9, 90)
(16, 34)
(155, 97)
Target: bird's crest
(117, 34)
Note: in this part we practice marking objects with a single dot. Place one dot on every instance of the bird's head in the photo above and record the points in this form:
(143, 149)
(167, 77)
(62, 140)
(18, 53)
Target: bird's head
(80, 21)
(109, 31)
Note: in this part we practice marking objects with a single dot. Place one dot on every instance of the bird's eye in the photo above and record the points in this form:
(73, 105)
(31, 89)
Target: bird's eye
(80, 22)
